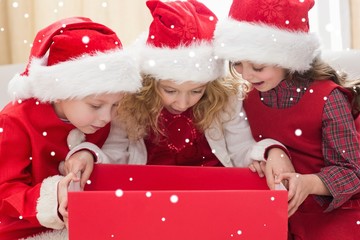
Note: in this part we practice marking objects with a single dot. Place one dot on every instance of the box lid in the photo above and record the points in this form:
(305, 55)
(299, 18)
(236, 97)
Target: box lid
(171, 202)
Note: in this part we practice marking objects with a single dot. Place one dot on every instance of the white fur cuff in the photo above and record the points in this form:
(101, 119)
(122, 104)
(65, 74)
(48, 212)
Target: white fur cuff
(51, 235)
(47, 206)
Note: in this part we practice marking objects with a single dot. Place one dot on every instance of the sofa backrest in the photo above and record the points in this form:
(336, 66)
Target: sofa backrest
(347, 61)
(6, 73)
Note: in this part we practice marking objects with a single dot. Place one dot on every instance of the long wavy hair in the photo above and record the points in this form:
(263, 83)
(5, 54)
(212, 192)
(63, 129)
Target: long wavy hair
(139, 112)
(319, 70)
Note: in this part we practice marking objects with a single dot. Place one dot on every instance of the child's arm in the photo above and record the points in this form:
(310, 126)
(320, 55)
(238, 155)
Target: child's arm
(82, 156)
(33, 203)
(277, 162)
(340, 177)
(114, 150)
(341, 150)
(244, 150)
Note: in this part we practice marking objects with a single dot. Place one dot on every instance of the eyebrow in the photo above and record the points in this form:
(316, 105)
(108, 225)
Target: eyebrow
(192, 89)
(203, 86)
(97, 101)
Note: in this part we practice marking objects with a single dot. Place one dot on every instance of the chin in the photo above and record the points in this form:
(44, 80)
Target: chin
(262, 89)
(88, 130)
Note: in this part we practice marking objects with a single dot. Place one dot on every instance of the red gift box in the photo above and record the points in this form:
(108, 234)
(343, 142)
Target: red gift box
(128, 202)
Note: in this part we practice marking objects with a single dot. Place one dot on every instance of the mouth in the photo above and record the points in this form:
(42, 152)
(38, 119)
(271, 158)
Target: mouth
(173, 111)
(257, 84)
(96, 127)
(176, 112)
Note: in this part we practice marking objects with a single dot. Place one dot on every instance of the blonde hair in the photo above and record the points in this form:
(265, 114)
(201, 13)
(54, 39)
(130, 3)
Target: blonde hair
(321, 70)
(140, 112)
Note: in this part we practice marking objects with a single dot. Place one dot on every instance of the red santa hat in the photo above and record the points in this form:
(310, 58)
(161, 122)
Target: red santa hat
(75, 58)
(179, 43)
(268, 32)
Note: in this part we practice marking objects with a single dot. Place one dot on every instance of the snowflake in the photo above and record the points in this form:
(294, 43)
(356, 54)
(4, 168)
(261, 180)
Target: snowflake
(271, 9)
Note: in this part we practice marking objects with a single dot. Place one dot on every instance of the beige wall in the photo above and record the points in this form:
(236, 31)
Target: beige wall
(355, 26)
(20, 23)
(128, 18)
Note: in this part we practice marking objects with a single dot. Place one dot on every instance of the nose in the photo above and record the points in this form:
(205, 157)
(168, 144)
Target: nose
(106, 115)
(182, 102)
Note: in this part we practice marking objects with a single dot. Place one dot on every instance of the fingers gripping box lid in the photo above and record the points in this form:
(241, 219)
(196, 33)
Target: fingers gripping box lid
(172, 202)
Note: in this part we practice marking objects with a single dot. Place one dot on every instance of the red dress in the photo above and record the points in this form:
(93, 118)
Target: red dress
(299, 128)
(181, 144)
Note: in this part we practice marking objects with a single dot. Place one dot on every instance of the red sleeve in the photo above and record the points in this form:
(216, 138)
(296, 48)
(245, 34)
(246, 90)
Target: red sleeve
(341, 150)
(18, 196)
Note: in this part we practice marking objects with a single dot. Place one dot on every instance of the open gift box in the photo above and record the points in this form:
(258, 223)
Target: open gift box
(128, 202)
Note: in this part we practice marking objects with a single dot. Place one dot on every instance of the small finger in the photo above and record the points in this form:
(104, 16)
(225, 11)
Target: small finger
(63, 207)
(252, 168)
(263, 166)
(258, 169)
(283, 176)
(270, 182)
(291, 210)
(66, 221)
(85, 176)
(62, 210)
(285, 182)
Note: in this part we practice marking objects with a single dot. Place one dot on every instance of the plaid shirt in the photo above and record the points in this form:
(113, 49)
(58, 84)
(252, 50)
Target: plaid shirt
(340, 145)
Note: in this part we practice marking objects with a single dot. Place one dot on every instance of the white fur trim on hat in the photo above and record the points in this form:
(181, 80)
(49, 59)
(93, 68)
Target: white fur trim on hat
(47, 205)
(108, 72)
(262, 44)
(51, 235)
(195, 62)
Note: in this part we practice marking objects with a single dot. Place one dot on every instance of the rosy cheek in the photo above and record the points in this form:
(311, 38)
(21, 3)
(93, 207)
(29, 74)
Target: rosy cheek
(238, 69)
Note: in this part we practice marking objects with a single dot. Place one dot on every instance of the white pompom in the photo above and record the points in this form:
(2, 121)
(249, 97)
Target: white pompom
(74, 138)
(19, 87)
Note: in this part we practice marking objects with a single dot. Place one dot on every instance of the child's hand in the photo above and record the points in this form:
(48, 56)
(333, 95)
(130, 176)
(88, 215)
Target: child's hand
(81, 161)
(298, 190)
(300, 186)
(277, 162)
(62, 195)
(259, 167)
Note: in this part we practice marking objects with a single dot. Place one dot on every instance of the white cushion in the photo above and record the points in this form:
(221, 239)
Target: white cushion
(6, 73)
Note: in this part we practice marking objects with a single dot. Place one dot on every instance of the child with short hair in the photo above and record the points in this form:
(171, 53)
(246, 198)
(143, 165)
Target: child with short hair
(76, 76)
(302, 102)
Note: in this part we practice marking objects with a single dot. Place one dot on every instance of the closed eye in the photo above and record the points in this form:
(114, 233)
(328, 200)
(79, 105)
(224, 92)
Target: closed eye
(257, 69)
(95, 106)
(169, 91)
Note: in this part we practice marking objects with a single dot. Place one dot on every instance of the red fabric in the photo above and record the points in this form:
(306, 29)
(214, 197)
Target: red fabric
(44, 40)
(178, 24)
(71, 31)
(32, 143)
(182, 144)
(340, 141)
(101, 39)
(357, 125)
(211, 203)
(310, 221)
(287, 15)
(306, 155)
(338, 224)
